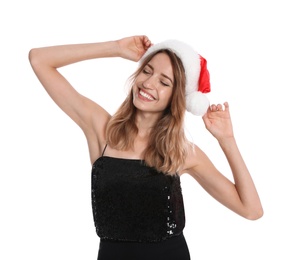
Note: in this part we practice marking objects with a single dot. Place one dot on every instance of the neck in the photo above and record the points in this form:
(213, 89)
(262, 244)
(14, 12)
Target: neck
(145, 122)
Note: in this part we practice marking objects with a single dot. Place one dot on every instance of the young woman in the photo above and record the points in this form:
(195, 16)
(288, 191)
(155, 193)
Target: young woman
(139, 153)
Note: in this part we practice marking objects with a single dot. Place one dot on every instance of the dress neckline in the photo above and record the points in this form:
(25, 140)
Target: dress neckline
(121, 158)
(118, 158)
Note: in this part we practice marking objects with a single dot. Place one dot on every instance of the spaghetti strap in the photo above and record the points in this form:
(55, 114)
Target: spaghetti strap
(104, 150)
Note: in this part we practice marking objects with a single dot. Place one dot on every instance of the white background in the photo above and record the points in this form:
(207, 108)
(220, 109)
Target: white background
(45, 198)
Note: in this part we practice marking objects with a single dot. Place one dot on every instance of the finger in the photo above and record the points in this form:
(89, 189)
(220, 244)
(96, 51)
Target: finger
(147, 41)
(226, 105)
(213, 107)
(219, 107)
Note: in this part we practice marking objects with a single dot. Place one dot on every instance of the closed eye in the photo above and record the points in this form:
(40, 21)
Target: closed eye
(145, 71)
(165, 84)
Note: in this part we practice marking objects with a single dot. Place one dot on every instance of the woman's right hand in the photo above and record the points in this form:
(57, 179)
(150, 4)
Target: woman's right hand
(133, 48)
(90, 116)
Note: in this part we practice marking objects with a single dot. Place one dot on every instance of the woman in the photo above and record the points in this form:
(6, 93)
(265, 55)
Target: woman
(139, 153)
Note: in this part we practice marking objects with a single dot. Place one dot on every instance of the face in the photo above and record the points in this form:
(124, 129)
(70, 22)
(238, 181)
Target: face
(153, 87)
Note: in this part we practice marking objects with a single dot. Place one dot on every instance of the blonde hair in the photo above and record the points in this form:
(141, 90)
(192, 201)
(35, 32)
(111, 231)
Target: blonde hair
(166, 148)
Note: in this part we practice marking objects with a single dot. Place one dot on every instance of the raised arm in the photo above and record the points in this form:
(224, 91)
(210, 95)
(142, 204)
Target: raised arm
(45, 62)
(240, 196)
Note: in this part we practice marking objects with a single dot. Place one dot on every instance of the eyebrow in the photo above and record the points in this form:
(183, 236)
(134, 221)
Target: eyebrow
(164, 75)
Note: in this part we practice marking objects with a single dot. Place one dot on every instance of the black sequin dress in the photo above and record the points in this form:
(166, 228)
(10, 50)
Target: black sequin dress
(138, 212)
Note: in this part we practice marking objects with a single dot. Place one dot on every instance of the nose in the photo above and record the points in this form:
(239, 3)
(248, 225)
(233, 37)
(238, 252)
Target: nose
(149, 83)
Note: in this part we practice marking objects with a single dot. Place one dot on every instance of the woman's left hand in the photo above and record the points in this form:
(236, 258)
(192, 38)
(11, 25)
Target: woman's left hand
(218, 122)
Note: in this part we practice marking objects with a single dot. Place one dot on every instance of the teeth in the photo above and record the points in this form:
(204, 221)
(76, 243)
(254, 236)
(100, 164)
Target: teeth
(145, 95)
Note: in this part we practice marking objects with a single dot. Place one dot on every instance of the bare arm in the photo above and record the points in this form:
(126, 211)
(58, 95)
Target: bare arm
(45, 62)
(240, 196)
(91, 117)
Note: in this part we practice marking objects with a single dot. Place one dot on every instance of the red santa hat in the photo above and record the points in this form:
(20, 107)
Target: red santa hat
(197, 75)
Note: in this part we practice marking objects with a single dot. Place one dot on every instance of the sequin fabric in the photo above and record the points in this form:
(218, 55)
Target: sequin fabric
(134, 202)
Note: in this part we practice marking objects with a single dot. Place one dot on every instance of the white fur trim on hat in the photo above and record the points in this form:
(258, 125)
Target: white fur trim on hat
(196, 102)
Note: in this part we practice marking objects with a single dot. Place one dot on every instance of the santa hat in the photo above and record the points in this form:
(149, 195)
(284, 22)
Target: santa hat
(197, 75)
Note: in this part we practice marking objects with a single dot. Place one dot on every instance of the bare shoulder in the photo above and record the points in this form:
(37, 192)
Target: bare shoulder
(195, 161)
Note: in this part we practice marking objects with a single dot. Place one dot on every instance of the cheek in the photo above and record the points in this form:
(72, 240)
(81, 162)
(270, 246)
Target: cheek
(134, 91)
(168, 94)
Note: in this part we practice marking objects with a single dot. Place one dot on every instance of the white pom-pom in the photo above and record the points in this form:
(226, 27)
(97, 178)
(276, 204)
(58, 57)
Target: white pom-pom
(197, 103)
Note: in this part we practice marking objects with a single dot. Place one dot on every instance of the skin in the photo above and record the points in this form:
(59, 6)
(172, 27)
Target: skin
(154, 82)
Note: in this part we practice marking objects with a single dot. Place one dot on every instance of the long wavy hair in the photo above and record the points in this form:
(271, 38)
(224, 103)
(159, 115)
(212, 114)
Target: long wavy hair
(166, 148)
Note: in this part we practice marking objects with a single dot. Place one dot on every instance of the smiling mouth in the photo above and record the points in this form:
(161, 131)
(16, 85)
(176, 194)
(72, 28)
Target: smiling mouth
(146, 95)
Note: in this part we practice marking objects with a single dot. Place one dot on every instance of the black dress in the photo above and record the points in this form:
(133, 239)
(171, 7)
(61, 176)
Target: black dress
(138, 212)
